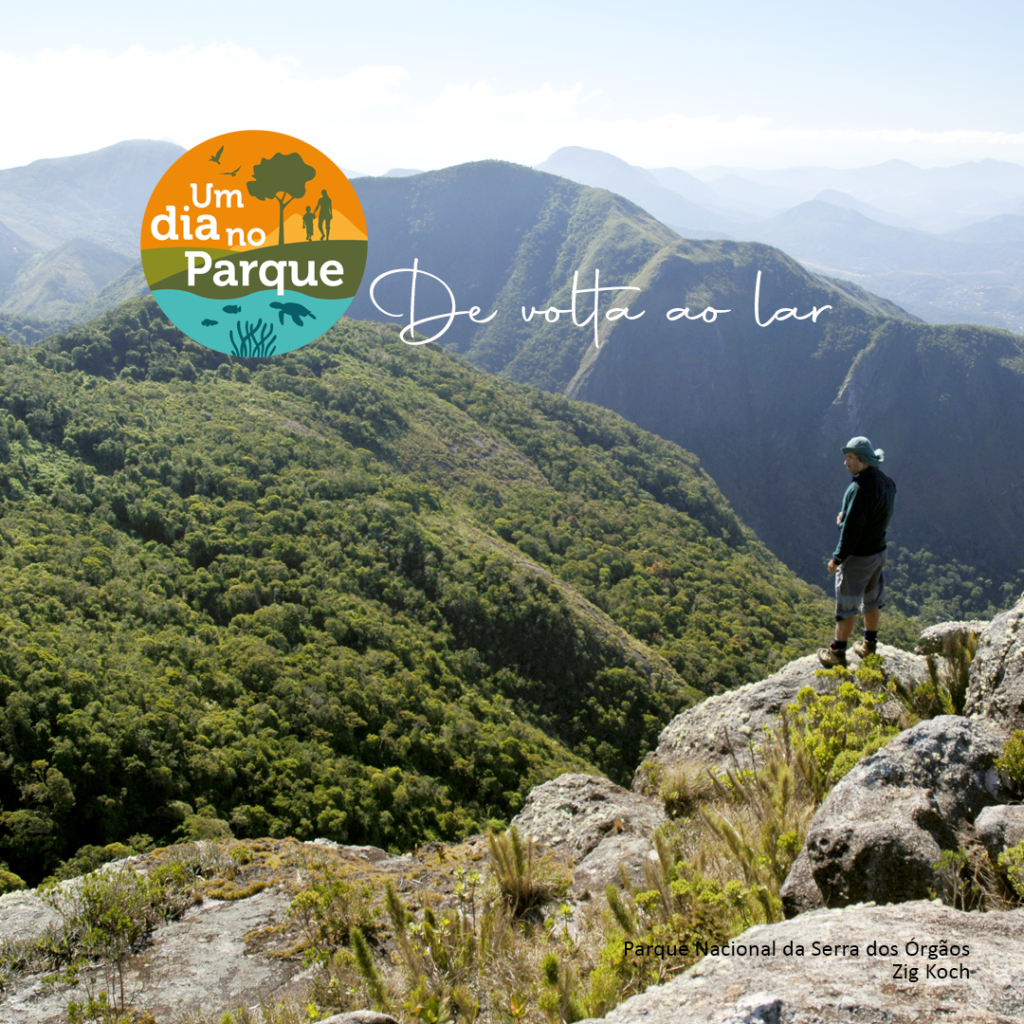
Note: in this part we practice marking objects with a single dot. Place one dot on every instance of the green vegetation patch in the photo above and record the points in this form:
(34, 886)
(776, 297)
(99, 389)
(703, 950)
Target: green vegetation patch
(362, 591)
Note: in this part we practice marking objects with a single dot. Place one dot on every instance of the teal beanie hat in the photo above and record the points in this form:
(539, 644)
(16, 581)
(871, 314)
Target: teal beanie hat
(861, 447)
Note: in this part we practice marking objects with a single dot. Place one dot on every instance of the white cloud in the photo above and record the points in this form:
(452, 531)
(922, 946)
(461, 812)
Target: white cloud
(479, 100)
(78, 100)
(375, 117)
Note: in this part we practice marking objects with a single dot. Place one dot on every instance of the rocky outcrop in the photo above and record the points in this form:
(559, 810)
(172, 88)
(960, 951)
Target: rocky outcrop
(1000, 827)
(997, 672)
(936, 639)
(189, 965)
(842, 986)
(24, 916)
(884, 825)
(721, 728)
(234, 948)
(595, 823)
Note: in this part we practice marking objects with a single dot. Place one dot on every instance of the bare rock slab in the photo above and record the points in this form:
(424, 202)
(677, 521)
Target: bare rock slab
(725, 725)
(997, 673)
(199, 963)
(594, 822)
(24, 916)
(360, 1017)
(883, 827)
(842, 987)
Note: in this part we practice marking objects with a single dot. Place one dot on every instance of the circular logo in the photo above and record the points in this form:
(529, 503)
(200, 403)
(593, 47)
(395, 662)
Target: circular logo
(254, 243)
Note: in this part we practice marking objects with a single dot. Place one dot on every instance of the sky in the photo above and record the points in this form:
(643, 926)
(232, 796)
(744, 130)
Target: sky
(418, 85)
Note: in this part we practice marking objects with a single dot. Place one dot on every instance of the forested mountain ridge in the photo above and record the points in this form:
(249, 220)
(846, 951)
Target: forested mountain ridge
(766, 408)
(362, 591)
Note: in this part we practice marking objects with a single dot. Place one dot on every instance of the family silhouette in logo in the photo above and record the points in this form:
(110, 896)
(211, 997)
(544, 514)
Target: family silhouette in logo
(326, 210)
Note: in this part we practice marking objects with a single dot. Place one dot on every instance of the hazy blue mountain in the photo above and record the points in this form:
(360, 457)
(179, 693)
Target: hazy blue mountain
(54, 283)
(70, 226)
(1007, 227)
(837, 239)
(687, 185)
(602, 170)
(131, 284)
(14, 251)
(100, 196)
(975, 274)
(934, 199)
(845, 200)
(760, 198)
(755, 404)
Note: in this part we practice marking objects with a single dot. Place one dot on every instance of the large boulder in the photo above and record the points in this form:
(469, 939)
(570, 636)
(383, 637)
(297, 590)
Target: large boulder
(848, 983)
(883, 827)
(997, 673)
(1000, 827)
(721, 729)
(595, 823)
(938, 638)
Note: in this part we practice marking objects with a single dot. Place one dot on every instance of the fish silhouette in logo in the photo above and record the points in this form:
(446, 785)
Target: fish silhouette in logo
(294, 310)
(232, 309)
(209, 323)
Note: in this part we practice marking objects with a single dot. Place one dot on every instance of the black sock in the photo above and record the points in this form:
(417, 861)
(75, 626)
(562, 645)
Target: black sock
(871, 635)
(839, 646)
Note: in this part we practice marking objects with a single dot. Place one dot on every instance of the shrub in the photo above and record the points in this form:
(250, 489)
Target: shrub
(1012, 759)
(201, 828)
(104, 918)
(524, 878)
(329, 910)
(1012, 861)
(10, 882)
(683, 787)
(841, 727)
(966, 877)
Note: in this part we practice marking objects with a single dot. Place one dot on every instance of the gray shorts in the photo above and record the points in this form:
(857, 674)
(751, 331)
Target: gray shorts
(860, 580)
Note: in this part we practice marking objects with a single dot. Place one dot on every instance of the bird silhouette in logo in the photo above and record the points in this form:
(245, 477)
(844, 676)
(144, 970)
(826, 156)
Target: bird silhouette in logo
(215, 159)
(294, 310)
(234, 172)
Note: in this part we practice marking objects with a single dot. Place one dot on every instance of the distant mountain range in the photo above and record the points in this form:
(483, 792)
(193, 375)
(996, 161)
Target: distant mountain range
(970, 272)
(925, 261)
(764, 408)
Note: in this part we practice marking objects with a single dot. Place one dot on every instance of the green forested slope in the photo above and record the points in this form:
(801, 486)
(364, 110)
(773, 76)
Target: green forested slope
(766, 409)
(362, 591)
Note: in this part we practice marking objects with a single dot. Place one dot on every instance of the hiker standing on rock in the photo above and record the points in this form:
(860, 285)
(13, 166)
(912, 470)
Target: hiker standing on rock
(859, 558)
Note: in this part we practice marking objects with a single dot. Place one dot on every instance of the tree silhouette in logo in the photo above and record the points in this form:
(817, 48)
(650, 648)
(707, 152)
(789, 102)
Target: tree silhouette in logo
(282, 175)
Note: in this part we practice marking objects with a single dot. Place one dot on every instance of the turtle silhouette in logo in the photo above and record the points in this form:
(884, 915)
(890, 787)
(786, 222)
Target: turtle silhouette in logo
(294, 310)
(232, 309)
(209, 323)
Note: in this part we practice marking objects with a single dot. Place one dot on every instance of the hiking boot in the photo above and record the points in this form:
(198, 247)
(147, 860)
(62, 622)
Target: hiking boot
(831, 658)
(862, 648)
